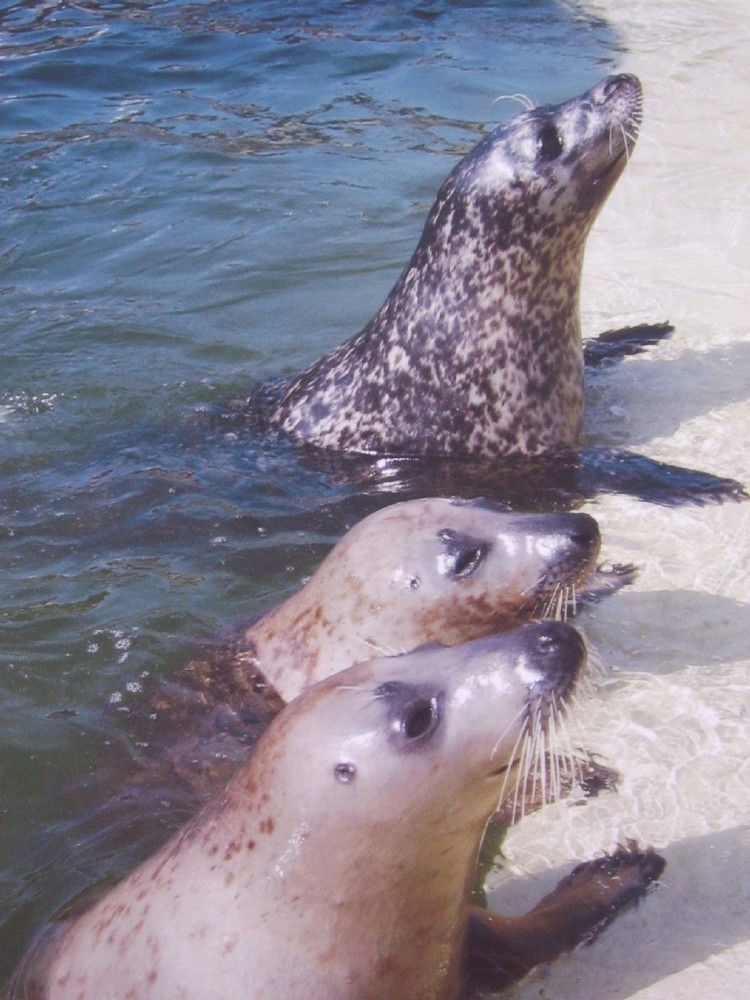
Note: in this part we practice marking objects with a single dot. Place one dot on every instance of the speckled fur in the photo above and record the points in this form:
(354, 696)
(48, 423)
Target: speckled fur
(477, 349)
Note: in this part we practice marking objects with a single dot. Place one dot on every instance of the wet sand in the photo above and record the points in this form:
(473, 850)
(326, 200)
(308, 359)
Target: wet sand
(673, 243)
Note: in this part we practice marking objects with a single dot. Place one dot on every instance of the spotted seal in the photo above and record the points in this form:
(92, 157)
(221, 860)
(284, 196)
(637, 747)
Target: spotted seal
(338, 862)
(425, 570)
(477, 350)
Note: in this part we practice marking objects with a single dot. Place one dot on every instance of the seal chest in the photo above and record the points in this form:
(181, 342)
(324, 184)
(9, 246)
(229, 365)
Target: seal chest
(477, 349)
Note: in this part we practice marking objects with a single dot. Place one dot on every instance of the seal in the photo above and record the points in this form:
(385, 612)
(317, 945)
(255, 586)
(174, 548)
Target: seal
(338, 862)
(419, 571)
(426, 570)
(477, 350)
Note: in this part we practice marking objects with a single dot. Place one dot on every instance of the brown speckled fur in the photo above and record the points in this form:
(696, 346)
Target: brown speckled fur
(477, 349)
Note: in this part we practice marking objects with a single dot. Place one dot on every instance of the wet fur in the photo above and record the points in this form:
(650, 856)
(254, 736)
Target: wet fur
(224, 843)
(477, 350)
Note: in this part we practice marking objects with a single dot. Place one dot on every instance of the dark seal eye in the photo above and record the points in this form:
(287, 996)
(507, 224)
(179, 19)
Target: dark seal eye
(414, 713)
(462, 555)
(548, 143)
(419, 718)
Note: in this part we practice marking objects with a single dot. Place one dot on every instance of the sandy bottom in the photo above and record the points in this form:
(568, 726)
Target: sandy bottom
(673, 244)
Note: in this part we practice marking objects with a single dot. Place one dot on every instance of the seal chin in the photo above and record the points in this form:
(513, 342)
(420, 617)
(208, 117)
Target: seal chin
(613, 170)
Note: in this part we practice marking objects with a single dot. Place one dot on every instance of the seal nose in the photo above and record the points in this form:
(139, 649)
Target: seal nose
(584, 532)
(558, 652)
(610, 85)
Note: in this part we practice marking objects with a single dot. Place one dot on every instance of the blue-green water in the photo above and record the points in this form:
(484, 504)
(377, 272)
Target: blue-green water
(194, 197)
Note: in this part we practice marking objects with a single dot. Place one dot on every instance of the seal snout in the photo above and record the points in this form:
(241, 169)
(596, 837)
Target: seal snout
(584, 533)
(573, 541)
(611, 86)
(556, 655)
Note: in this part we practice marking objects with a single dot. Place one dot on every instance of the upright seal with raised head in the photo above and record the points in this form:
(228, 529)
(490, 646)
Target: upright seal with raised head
(339, 861)
(477, 350)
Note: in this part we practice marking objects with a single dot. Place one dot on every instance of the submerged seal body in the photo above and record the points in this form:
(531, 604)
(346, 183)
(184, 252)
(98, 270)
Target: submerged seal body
(338, 863)
(477, 350)
(428, 570)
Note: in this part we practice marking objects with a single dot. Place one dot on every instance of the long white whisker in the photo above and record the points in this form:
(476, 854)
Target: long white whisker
(526, 103)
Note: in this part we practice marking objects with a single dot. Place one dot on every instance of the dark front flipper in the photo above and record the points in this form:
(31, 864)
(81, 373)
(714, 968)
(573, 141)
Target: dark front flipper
(612, 346)
(610, 470)
(601, 583)
(500, 950)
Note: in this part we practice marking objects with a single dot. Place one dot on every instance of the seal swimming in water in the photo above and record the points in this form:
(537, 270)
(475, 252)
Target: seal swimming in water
(477, 350)
(427, 570)
(338, 862)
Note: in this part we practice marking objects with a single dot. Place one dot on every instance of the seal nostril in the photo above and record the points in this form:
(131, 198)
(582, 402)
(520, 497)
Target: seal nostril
(612, 84)
(547, 643)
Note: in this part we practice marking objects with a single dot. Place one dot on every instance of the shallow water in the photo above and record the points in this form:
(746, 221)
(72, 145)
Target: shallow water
(195, 197)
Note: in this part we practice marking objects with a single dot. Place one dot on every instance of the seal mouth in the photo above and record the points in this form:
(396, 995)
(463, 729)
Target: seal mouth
(542, 758)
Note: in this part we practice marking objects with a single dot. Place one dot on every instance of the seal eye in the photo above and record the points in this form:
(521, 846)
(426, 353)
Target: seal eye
(461, 555)
(419, 718)
(414, 713)
(548, 143)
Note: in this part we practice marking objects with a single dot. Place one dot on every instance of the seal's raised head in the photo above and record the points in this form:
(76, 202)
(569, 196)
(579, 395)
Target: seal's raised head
(427, 570)
(442, 724)
(477, 349)
(569, 156)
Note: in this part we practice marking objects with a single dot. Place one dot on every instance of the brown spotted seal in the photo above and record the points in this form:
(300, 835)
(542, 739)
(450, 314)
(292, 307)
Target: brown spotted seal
(338, 863)
(427, 570)
(477, 350)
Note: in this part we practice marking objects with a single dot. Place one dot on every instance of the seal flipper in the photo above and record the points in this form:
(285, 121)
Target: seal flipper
(500, 950)
(612, 470)
(614, 345)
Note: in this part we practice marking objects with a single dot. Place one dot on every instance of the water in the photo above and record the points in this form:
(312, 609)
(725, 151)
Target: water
(195, 197)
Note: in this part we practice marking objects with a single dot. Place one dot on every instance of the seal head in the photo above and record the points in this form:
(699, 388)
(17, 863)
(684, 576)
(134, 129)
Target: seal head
(477, 351)
(427, 570)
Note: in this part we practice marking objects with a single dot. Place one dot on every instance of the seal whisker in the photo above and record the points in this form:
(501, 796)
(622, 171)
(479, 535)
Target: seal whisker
(380, 648)
(625, 141)
(598, 672)
(524, 100)
(513, 761)
(523, 773)
(498, 743)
